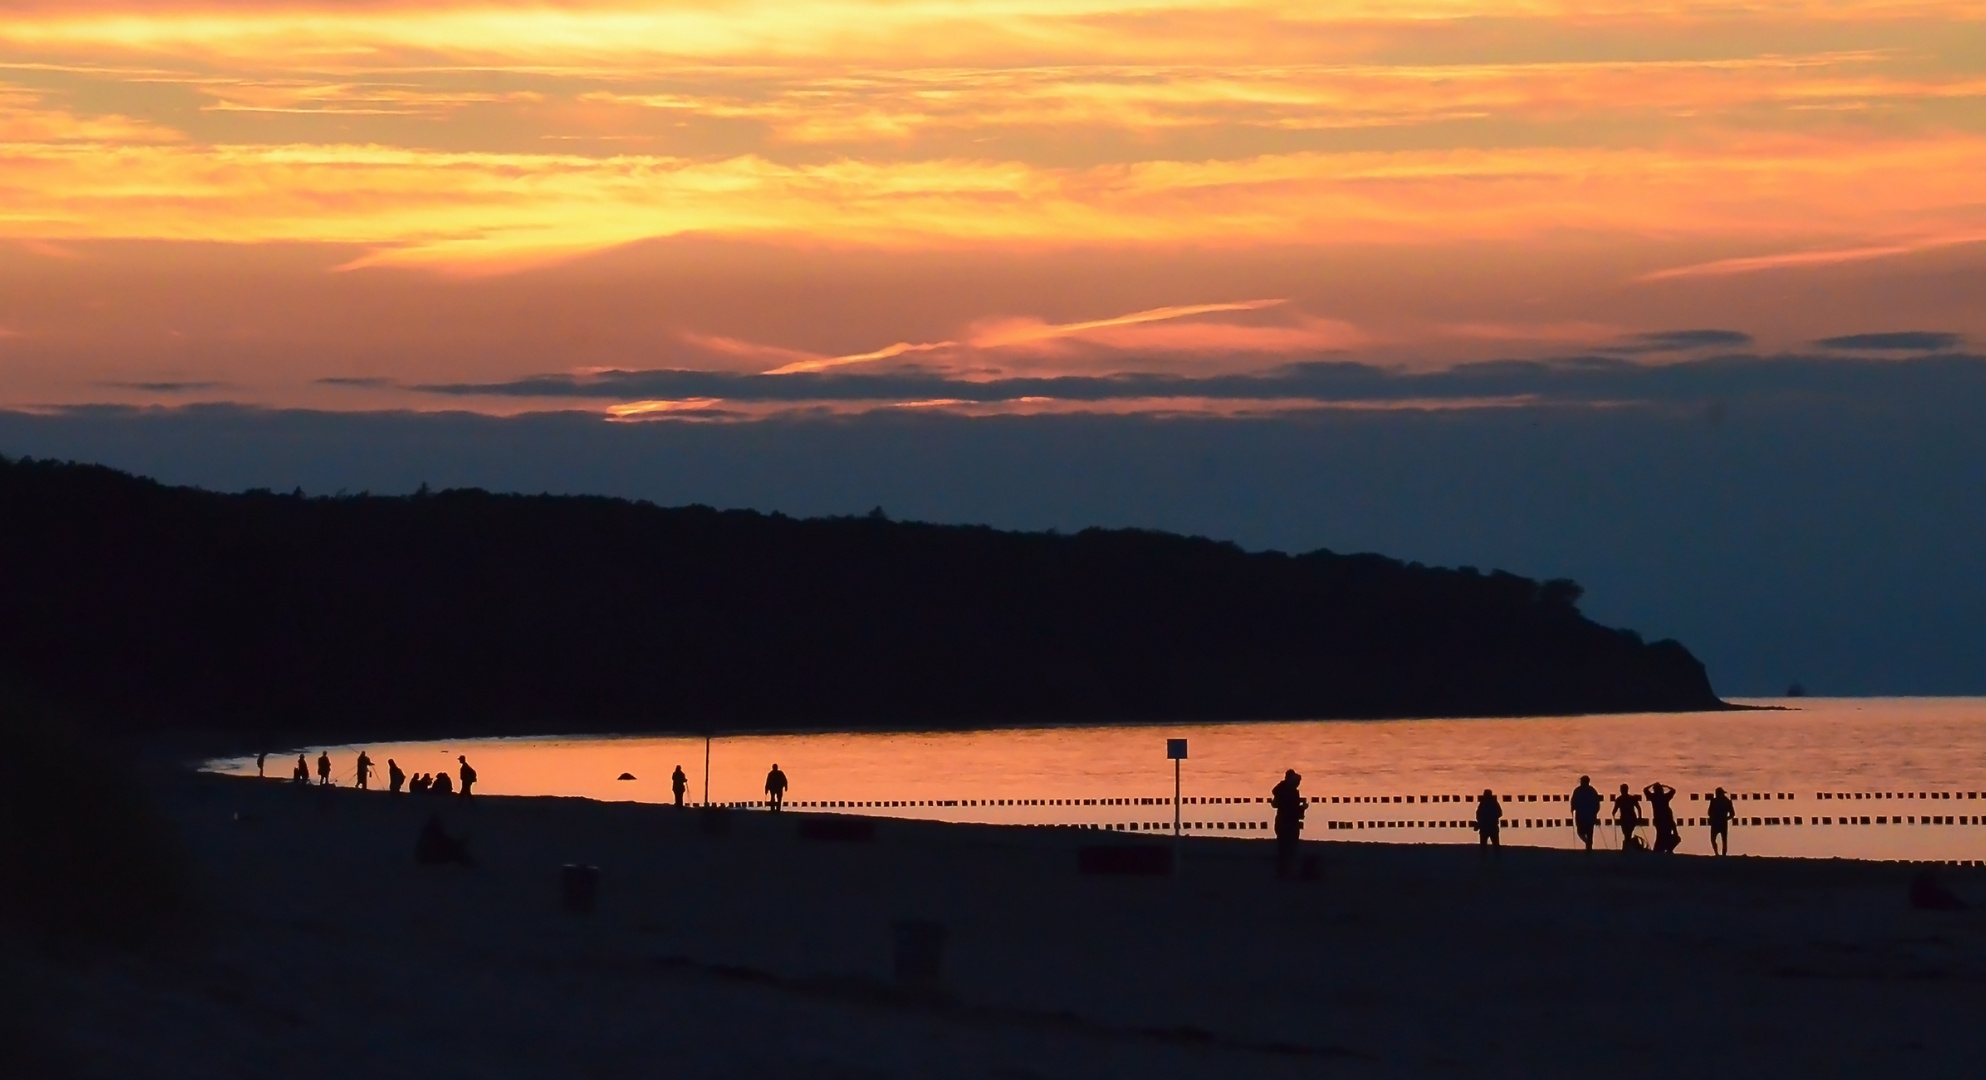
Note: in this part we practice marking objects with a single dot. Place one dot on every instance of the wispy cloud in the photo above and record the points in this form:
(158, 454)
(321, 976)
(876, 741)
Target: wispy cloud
(1008, 332)
(1914, 341)
(1133, 330)
(169, 386)
(1794, 260)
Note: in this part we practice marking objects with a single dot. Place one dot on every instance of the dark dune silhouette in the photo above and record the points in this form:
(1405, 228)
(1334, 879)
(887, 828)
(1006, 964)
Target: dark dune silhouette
(167, 608)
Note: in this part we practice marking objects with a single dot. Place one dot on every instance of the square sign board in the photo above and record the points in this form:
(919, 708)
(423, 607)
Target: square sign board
(1175, 749)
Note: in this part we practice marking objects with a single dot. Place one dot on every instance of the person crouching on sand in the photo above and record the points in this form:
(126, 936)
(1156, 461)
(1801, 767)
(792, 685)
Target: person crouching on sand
(1489, 822)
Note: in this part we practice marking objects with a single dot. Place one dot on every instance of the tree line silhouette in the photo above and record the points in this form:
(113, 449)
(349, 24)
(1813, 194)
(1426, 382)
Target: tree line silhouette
(462, 611)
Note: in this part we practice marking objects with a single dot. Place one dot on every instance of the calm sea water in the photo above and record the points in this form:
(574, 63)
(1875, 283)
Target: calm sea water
(1915, 768)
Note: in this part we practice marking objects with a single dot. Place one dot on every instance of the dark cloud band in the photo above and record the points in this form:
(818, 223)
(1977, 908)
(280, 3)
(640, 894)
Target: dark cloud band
(1577, 380)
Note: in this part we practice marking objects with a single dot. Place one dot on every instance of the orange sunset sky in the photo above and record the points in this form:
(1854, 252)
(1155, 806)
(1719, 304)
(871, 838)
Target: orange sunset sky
(429, 205)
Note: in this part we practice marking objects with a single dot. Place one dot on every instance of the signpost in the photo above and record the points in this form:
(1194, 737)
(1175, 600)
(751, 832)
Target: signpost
(1176, 750)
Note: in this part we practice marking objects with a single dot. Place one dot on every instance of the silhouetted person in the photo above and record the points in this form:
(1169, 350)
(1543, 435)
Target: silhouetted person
(260, 759)
(1627, 814)
(394, 777)
(1288, 802)
(365, 771)
(324, 768)
(418, 785)
(679, 783)
(435, 846)
(1489, 822)
(468, 775)
(1721, 813)
(440, 785)
(1585, 810)
(1667, 837)
(775, 787)
(301, 774)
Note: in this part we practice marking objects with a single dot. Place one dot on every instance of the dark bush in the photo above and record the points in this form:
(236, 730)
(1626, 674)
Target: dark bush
(85, 857)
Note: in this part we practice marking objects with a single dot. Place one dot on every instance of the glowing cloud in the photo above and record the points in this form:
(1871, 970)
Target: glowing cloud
(1425, 181)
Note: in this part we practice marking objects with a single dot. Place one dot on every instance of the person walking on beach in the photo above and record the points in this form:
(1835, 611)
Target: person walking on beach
(301, 774)
(1721, 813)
(1627, 814)
(1489, 822)
(365, 770)
(679, 783)
(324, 768)
(394, 777)
(775, 787)
(1667, 837)
(1585, 810)
(1288, 802)
(468, 775)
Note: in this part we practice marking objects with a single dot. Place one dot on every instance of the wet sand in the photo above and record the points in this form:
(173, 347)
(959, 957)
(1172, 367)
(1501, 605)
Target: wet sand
(328, 952)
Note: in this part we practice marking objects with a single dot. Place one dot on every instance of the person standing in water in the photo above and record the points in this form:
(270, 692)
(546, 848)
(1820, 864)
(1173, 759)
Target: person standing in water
(679, 783)
(365, 771)
(324, 768)
(1721, 813)
(775, 787)
(1667, 837)
(1585, 810)
(1627, 814)
(468, 775)
(1288, 802)
(1489, 822)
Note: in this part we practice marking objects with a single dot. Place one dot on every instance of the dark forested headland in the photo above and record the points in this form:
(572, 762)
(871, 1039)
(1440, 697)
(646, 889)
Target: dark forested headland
(156, 607)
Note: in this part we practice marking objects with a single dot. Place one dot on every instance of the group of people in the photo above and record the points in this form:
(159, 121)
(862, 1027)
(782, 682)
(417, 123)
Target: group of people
(363, 769)
(1586, 805)
(1585, 802)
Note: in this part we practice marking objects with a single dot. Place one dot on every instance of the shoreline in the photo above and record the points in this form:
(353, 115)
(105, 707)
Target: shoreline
(216, 744)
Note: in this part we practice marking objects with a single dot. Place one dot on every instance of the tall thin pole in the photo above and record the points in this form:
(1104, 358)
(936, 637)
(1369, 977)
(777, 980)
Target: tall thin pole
(706, 769)
(1175, 798)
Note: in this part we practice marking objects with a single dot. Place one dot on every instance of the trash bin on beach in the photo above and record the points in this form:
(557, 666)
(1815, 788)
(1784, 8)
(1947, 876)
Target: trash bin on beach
(920, 951)
(579, 888)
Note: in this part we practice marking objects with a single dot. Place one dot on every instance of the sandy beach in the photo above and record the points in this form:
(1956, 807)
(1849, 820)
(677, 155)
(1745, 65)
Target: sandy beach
(324, 950)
